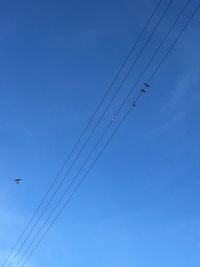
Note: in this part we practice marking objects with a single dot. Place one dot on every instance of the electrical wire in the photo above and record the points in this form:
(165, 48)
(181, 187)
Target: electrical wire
(107, 128)
(172, 46)
(98, 122)
(85, 129)
(117, 112)
(123, 119)
(77, 187)
(153, 56)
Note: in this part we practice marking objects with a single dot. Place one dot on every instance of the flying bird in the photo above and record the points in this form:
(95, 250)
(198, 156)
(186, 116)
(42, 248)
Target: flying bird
(18, 181)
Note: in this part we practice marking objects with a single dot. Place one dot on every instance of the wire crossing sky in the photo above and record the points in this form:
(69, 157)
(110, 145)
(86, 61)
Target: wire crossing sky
(85, 129)
(109, 125)
(140, 52)
(126, 114)
(159, 52)
(96, 125)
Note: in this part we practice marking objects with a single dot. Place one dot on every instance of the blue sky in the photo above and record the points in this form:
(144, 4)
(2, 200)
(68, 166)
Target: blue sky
(140, 204)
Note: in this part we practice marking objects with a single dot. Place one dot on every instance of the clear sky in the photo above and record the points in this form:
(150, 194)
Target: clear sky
(140, 204)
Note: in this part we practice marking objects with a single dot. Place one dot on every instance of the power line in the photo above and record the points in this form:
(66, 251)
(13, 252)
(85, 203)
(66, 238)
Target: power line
(123, 119)
(85, 129)
(106, 129)
(11, 251)
(153, 56)
(98, 122)
(172, 46)
(65, 192)
(147, 65)
(77, 187)
(115, 115)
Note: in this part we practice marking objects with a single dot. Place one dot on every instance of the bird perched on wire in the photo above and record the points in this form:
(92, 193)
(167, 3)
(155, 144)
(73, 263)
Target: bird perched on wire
(18, 181)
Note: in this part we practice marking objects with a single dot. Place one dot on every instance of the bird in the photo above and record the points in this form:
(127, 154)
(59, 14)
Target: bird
(147, 85)
(18, 181)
